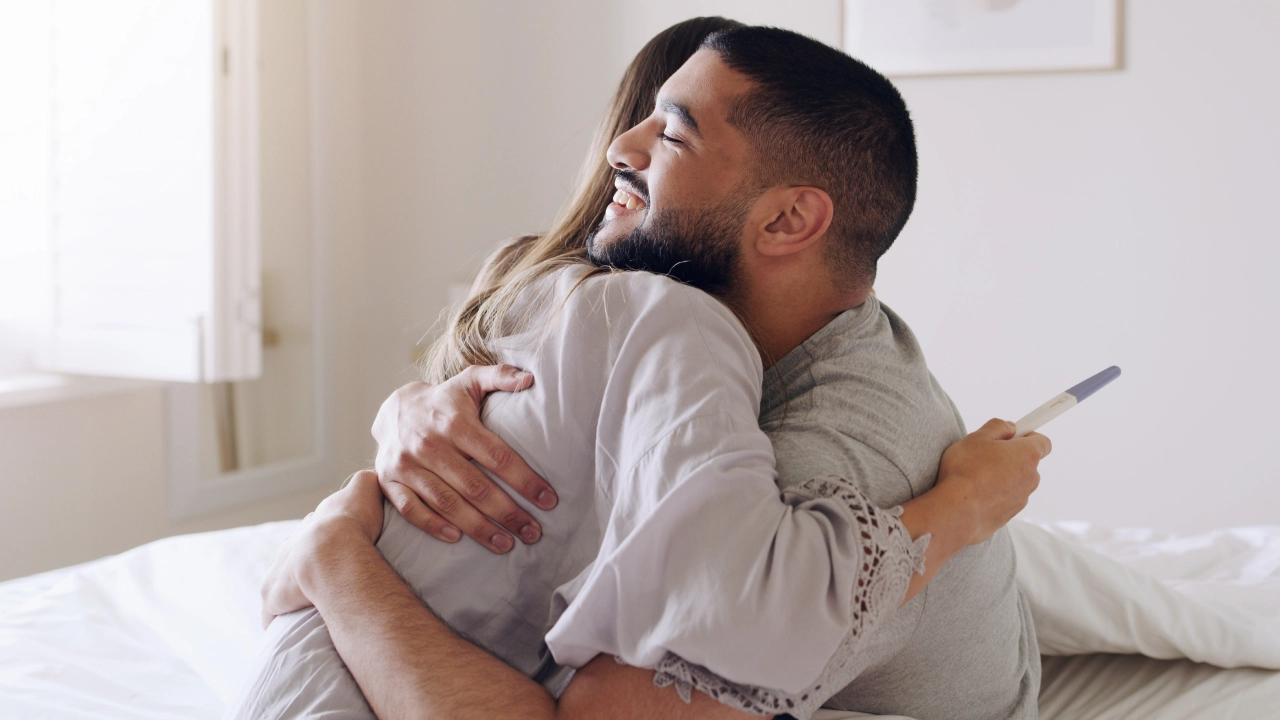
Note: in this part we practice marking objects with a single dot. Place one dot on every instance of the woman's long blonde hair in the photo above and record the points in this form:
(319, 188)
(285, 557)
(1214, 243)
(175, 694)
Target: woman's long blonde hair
(487, 311)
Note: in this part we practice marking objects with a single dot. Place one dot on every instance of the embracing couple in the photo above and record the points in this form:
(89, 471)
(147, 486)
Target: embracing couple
(738, 489)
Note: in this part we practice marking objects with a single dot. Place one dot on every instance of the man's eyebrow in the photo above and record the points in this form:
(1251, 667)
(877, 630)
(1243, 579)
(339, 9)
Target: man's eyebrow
(680, 111)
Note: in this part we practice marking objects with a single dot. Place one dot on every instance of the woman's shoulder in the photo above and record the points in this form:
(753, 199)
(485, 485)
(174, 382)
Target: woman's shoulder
(612, 302)
(652, 311)
(637, 293)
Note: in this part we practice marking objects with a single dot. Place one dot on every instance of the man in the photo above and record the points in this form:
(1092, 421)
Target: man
(776, 173)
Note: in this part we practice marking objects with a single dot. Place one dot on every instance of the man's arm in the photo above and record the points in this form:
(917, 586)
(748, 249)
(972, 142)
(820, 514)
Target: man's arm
(409, 664)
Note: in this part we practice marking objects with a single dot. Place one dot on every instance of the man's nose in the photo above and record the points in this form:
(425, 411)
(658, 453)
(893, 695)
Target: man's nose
(628, 150)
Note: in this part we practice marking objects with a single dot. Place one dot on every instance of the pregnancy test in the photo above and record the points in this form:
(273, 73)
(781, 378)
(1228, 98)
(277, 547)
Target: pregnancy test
(1064, 402)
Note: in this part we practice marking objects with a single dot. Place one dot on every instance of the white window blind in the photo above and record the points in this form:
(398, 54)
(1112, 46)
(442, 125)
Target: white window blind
(152, 169)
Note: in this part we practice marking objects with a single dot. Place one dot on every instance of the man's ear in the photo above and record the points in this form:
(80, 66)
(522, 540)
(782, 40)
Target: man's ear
(796, 218)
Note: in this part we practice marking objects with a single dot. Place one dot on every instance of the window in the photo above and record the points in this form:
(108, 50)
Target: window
(25, 279)
(129, 189)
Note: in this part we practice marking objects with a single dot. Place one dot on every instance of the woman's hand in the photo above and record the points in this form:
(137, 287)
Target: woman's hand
(356, 508)
(428, 437)
(990, 474)
(983, 481)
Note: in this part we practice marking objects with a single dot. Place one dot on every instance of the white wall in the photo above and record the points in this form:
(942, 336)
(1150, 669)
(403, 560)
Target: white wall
(85, 478)
(1067, 222)
(820, 19)
(448, 127)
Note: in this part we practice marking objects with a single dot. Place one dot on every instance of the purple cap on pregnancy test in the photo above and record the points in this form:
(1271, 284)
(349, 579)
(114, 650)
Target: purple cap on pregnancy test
(1093, 384)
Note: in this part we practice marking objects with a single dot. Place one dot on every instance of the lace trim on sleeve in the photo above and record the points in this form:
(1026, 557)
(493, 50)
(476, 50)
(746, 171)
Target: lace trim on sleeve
(890, 558)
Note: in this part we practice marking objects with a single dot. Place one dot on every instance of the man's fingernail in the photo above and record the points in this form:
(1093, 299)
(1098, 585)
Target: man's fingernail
(501, 541)
(546, 499)
(529, 533)
(452, 534)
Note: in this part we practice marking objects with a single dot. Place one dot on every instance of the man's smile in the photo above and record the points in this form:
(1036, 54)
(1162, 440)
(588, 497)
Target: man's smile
(628, 200)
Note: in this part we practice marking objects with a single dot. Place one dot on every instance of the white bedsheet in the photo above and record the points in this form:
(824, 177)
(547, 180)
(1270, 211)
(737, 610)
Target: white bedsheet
(1212, 598)
(161, 631)
(165, 630)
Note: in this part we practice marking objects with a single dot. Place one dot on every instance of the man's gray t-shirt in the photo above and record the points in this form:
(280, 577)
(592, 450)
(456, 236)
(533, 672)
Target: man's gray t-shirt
(857, 401)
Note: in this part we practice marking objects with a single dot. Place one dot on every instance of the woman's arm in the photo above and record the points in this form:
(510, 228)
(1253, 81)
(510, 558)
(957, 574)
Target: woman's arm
(983, 481)
(719, 570)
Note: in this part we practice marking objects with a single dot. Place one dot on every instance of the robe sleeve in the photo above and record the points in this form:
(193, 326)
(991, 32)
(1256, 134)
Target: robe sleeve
(707, 572)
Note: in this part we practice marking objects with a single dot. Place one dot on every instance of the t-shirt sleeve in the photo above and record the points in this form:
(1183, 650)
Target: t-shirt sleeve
(706, 571)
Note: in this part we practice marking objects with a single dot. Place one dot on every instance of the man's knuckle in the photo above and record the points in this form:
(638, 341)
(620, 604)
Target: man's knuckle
(511, 517)
(499, 458)
(402, 503)
(477, 489)
(422, 445)
(446, 501)
(404, 460)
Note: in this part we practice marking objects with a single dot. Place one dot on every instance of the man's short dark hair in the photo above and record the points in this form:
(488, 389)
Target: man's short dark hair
(819, 117)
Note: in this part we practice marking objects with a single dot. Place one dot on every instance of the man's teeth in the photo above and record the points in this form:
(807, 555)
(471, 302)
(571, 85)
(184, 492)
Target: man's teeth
(624, 198)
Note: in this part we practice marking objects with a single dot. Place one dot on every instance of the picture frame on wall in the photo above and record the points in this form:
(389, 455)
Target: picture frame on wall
(945, 37)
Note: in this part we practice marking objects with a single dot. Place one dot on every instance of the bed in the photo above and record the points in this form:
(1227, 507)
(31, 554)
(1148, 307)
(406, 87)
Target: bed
(1136, 624)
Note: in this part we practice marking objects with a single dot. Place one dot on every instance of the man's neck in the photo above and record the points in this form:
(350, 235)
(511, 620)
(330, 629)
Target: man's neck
(780, 317)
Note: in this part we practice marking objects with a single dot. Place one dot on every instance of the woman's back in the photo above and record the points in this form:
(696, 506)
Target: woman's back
(642, 352)
(581, 351)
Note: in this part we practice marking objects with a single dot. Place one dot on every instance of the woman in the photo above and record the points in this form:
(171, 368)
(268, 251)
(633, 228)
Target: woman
(648, 485)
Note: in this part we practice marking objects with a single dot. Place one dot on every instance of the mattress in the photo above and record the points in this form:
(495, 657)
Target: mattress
(166, 630)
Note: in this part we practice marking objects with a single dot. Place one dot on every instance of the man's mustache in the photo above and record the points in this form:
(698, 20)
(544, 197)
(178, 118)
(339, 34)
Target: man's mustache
(633, 179)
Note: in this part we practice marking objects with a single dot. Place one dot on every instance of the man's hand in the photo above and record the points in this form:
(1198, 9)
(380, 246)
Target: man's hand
(993, 474)
(355, 510)
(428, 437)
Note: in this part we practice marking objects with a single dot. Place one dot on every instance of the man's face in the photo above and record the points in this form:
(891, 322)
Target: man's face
(681, 197)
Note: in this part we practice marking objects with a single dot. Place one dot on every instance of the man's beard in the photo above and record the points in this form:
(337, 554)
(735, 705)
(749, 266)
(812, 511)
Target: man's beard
(698, 248)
